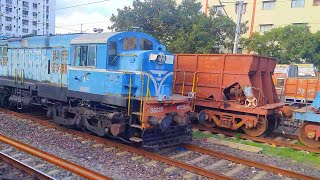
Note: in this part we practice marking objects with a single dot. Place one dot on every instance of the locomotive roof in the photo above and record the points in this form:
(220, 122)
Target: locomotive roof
(93, 38)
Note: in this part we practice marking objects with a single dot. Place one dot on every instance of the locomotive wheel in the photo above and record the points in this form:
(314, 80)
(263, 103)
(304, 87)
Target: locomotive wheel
(5, 101)
(305, 139)
(261, 128)
(205, 120)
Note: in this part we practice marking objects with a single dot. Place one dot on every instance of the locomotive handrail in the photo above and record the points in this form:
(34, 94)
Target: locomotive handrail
(15, 75)
(184, 78)
(129, 94)
(22, 76)
(148, 89)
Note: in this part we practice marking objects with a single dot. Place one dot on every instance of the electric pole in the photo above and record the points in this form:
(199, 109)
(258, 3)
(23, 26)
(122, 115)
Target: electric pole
(238, 28)
(81, 28)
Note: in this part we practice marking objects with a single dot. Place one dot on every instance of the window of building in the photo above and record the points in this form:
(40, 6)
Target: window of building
(34, 5)
(297, 3)
(8, 10)
(34, 23)
(25, 4)
(35, 32)
(47, 9)
(130, 43)
(85, 56)
(9, 1)
(25, 22)
(47, 17)
(244, 9)
(145, 44)
(300, 24)
(219, 10)
(47, 26)
(8, 18)
(47, 1)
(8, 28)
(25, 13)
(316, 2)
(265, 27)
(268, 5)
(25, 30)
(112, 53)
(34, 14)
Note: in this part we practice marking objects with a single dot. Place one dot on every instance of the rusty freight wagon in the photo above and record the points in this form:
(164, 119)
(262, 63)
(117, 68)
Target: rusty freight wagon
(230, 91)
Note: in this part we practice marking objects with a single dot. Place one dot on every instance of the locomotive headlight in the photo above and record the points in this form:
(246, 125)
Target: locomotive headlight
(161, 58)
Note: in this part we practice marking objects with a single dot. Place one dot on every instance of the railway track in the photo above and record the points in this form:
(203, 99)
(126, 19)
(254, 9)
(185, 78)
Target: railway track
(42, 164)
(190, 166)
(279, 139)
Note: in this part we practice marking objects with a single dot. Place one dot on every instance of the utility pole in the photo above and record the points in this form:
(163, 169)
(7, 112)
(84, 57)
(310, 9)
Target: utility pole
(238, 28)
(81, 28)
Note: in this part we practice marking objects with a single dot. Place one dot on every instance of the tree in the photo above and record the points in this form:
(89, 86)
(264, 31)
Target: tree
(289, 44)
(182, 28)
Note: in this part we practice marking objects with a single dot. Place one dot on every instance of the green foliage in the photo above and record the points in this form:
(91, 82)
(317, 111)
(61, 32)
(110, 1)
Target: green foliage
(182, 28)
(289, 44)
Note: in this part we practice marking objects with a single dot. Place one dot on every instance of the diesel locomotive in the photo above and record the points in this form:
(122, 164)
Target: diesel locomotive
(116, 84)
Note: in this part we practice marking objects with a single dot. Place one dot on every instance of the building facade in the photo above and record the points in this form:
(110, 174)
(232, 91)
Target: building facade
(23, 17)
(263, 15)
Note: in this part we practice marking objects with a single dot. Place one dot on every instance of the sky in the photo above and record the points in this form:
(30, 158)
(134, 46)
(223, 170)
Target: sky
(96, 15)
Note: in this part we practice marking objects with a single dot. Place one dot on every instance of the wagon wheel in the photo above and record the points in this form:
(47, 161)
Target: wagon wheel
(304, 137)
(5, 101)
(205, 120)
(210, 123)
(261, 128)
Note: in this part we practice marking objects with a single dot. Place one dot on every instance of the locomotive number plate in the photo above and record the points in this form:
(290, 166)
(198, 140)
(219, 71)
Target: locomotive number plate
(182, 107)
(156, 110)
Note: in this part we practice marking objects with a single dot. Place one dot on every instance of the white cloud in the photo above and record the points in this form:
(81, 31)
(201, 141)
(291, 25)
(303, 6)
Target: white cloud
(90, 16)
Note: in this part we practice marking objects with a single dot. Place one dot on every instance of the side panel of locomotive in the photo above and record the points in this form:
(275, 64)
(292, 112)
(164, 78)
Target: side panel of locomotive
(37, 58)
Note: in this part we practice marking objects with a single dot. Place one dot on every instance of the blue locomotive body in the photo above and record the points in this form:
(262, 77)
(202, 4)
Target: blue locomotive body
(115, 84)
(309, 131)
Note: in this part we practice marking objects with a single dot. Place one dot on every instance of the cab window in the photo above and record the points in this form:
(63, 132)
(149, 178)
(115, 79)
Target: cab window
(130, 43)
(85, 56)
(112, 53)
(145, 44)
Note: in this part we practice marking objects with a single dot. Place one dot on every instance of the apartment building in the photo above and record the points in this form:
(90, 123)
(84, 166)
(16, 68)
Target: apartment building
(23, 17)
(263, 15)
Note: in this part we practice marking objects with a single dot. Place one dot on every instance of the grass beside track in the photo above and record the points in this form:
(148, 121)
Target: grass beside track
(308, 158)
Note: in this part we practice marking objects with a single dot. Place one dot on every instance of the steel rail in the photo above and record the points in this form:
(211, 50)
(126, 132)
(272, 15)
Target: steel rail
(259, 139)
(248, 162)
(53, 159)
(22, 166)
(154, 156)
